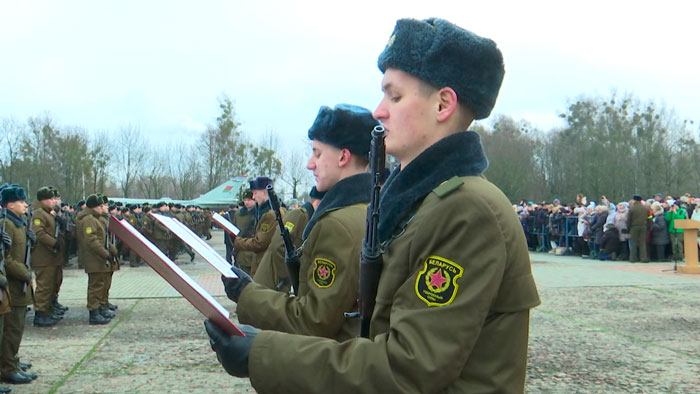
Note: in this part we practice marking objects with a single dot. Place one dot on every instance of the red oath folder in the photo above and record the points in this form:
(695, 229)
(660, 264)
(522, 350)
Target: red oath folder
(175, 276)
(225, 224)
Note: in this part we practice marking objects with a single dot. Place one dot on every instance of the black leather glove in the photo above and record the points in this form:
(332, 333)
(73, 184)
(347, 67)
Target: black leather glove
(110, 258)
(3, 282)
(6, 240)
(232, 350)
(234, 286)
(31, 236)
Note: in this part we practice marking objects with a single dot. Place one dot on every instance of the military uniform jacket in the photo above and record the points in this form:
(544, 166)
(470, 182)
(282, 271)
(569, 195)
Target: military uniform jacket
(17, 272)
(160, 232)
(91, 243)
(328, 274)
(112, 242)
(264, 230)
(453, 300)
(44, 226)
(272, 266)
(133, 220)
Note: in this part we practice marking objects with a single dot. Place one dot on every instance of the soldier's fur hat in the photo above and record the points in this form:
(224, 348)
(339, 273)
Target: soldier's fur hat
(93, 201)
(12, 193)
(259, 183)
(345, 127)
(45, 193)
(248, 193)
(445, 55)
(80, 203)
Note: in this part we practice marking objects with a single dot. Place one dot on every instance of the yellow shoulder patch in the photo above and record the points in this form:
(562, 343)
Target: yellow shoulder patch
(37, 222)
(289, 226)
(436, 283)
(324, 273)
(264, 227)
(88, 230)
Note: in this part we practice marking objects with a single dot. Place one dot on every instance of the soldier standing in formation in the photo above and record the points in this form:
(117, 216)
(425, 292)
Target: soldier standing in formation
(332, 240)
(244, 219)
(19, 277)
(272, 272)
(98, 256)
(453, 302)
(264, 225)
(47, 258)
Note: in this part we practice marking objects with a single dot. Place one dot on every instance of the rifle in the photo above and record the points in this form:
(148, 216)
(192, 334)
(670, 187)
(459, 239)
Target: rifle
(3, 214)
(291, 257)
(107, 241)
(57, 231)
(27, 254)
(371, 262)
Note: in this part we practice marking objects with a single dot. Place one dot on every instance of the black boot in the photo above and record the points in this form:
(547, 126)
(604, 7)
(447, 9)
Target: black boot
(43, 319)
(111, 306)
(106, 312)
(5, 389)
(25, 366)
(57, 305)
(17, 378)
(30, 375)
(97, 318)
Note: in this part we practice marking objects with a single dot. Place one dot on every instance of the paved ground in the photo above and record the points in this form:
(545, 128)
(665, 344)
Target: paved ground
(602, 327)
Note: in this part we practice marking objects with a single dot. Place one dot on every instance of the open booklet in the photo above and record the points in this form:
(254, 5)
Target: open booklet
(176, 277)
(225, 224)
(202, 248)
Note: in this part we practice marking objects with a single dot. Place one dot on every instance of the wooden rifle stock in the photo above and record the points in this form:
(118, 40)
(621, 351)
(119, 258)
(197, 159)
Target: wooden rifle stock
(27, 254)
(371, 261)
(291, 257)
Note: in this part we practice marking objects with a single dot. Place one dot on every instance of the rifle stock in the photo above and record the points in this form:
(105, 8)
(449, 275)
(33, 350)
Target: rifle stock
(3, 214)
(371, 262)
(28, 254)
(291, 257)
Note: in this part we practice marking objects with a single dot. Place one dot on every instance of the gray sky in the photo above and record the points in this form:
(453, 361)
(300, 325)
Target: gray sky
(160, 65)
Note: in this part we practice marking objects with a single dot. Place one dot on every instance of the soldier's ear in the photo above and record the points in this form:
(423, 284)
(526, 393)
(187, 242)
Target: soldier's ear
(345, 157)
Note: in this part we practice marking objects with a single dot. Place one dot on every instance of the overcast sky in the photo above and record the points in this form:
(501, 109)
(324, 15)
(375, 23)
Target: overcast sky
(160, 65)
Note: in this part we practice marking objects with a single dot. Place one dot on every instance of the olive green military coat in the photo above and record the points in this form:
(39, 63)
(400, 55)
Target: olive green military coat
(91, 243)
(17, 272)
(259, 242)
(328, 282)
(453, 301)
(44, 226)
(272, 267)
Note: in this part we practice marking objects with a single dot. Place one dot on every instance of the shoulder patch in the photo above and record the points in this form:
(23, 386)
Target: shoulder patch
(448, 186)
(324, 273)
(289, 226)
(88, 230)
(436, 283)
(264, 227)
(37, 222)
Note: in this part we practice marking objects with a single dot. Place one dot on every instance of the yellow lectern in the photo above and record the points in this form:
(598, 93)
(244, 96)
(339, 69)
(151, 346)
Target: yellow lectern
(690, 245)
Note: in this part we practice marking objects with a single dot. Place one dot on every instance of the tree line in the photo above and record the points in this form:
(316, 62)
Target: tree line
(39, 152)
(614, 146)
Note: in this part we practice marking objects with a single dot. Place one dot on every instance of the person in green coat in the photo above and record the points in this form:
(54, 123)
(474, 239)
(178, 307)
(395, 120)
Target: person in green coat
(19, 278)
(676, 212)
(331, 240)
(455, 293)
(97, 258)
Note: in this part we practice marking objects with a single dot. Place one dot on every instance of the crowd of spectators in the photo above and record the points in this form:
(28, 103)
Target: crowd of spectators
(607, 231)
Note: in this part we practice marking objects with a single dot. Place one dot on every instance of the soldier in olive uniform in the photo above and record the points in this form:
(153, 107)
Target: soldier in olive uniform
(244, 219)
(97, 257)
(181, 215)
(107, 308)
(19, 279)
(264, 225)
(160, 234)
(46, 258)
(146, 221)
(272, 272)
(332, 239)
(456, 289)
(5, 308)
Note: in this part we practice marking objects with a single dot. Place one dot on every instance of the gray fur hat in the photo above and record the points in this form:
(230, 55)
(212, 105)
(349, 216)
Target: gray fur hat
(345, 127)
(12, 193)
(445, 55)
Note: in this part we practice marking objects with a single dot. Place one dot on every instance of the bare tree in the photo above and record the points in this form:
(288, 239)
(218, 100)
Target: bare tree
(130, 156)
(294, 171)
(184, 172)
(11, 134)
(100, 158)
(154, 181)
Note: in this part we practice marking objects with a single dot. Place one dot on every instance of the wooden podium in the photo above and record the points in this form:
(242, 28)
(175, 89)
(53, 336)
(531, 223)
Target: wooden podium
(690, 245)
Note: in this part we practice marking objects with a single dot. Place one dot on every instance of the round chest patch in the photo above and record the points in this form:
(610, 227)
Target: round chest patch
(436, 283)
